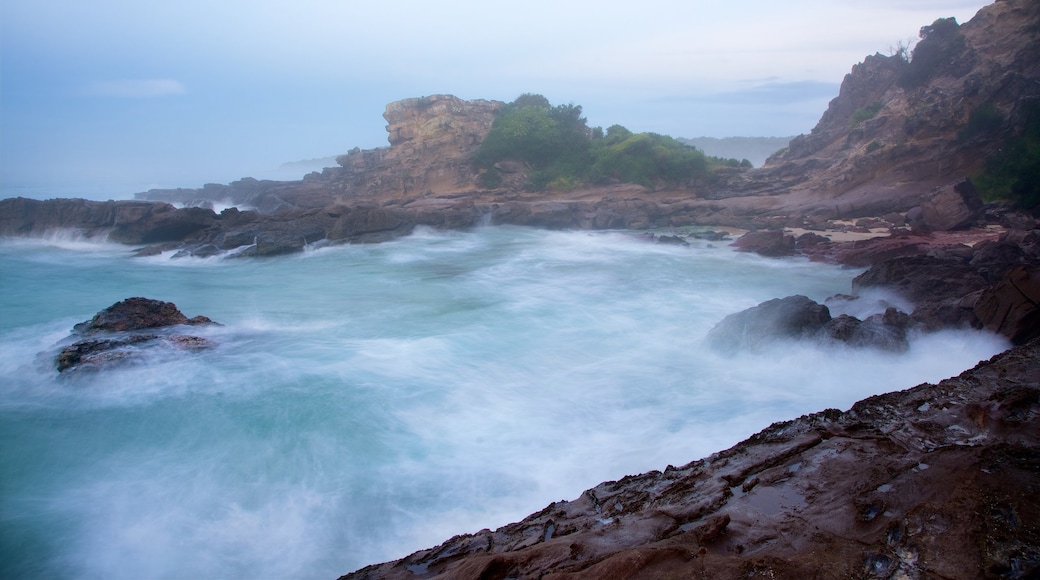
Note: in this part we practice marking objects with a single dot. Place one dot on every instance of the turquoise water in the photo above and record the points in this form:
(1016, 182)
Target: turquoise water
(366, 401)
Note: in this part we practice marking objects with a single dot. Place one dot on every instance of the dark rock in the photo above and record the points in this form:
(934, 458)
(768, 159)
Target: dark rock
(923, 279)
(137, 314)
(114, 335)
(769, 243)
(906, 484)
(993, 259)
(950, 207)
(95, 352)
(370, 223)
(884, 331)
(810, 239)
(711, 236)
(673, 240)
(128, 222)
(793, 317)
(1012, 307)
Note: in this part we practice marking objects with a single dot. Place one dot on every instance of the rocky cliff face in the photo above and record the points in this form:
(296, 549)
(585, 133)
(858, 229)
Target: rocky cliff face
(900, 127)
(431, 140)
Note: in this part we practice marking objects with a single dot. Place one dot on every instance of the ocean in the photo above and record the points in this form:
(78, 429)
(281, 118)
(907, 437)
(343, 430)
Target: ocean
(366, 401)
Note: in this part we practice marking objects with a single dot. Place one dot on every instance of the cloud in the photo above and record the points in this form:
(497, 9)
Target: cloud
(135, 88)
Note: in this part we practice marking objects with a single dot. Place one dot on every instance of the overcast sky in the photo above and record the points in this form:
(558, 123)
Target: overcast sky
(127, 94)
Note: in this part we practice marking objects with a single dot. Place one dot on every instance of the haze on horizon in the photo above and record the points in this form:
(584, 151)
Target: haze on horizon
(106, 98)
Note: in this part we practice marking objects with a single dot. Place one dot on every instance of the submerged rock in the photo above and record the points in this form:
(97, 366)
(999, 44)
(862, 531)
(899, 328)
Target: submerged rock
(112, 335)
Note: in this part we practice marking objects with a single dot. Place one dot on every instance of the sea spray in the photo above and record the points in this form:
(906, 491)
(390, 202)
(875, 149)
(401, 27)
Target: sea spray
(366, 401)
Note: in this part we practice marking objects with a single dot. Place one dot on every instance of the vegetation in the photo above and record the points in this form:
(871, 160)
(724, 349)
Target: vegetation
(983, 119)
(864, 113)
(1013, 174)
(560, 151)
(940, 42)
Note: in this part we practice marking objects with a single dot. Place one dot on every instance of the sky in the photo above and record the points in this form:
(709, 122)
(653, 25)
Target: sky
(105, 98)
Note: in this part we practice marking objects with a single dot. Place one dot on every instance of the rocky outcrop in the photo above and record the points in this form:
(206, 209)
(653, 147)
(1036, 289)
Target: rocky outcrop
(800, 318)
(137, 314)
(128, 222)
(431, 140)
(900, 126)
(115, 334)
(937, 481)
(902, 135)
(794, 317)
(1012, 306)
(951, 207)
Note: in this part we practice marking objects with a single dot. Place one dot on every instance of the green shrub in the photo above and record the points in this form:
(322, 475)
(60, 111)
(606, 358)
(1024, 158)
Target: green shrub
(940, 42)
(864, 113)
(874, 146)
(984, 119)
(1013, 174)
(562, 152)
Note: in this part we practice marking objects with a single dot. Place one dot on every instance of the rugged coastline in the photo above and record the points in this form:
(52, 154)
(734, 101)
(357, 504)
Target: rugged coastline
(935, 481)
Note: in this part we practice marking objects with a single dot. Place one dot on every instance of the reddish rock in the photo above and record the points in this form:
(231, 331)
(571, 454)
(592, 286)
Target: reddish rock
(950, 207)
(769, 243)
(138, 314)
(1012, 307)
(937, 481)
(114, 335)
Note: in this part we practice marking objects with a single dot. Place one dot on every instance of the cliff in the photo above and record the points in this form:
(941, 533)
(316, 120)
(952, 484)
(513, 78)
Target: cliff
(901, 126)
(900, 129)
(431, 140)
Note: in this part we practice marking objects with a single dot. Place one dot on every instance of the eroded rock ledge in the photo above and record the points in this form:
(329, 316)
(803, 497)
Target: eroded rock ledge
(937, 481)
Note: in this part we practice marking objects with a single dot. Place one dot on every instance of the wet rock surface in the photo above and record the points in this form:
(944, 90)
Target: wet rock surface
(937, 481)
(800, 318)
(115, 334)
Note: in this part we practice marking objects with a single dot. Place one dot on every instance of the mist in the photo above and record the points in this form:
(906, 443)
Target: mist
(366, 401)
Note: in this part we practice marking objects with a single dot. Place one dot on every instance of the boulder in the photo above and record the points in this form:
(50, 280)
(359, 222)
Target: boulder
(113, 335)
(769, 243)
(953, 206)
(793, 317)
(885, 331)
(137, 314)
(1012, 306)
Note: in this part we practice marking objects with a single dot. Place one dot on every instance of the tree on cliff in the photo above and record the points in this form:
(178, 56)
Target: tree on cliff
(561, 152)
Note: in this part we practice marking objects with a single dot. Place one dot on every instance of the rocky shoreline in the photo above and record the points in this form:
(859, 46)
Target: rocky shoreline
(937, 481)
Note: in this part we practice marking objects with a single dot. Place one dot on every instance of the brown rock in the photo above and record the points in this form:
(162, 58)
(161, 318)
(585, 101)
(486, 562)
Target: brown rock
(938, 481)
(951, 207)
(1012, 306)
(769, 243)
(137, 314)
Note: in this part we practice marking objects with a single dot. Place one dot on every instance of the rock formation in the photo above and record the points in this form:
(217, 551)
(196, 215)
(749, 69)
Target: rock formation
(937, 481)
(431, 140)
(115, 334)
(800, 318)
(899, 128)
(901, 136)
